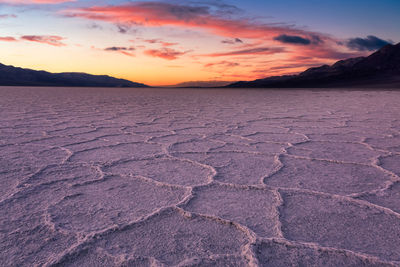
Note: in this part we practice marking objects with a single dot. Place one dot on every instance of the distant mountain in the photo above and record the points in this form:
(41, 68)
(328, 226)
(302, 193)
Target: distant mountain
(200, 84)
(13, 76)
(382, 68)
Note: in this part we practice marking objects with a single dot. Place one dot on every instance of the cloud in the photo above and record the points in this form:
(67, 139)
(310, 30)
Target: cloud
(119, 48)
(151, 41)
(370, 43)
(126, 28)
(29, 2)
(225, 64)
(45, 39)
(292, 39)
(316, 39)
(46, 1)
(95, 26)
(165, 53)
(252, 51)
(158, 41)
(6, 16)
(326, 53)
(127, 51)
(166, 44)
(8, 39)
(222, 8)
(197, 17)
(123, 28)
(296, 65)
(201, 16)
(232, 41)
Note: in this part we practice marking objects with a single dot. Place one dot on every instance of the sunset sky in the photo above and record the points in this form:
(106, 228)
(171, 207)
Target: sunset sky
(169, 42)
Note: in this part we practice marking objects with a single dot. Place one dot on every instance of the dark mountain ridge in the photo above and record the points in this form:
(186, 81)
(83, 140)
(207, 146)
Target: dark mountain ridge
(381, 68)
(13, 76)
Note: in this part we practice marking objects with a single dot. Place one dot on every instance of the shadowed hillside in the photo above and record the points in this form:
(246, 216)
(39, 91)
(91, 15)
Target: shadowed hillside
(12, 76)
(382, 68)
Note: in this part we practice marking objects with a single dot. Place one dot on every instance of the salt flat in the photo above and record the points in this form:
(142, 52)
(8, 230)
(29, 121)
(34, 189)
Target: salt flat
(199, 177)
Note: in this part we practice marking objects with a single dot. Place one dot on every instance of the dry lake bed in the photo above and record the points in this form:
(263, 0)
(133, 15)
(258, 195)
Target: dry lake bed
(199, 177)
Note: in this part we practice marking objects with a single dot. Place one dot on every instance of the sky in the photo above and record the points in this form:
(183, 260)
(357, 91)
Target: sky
(170, 42)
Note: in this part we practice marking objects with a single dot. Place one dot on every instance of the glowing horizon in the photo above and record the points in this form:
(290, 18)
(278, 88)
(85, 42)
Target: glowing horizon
(170, 42)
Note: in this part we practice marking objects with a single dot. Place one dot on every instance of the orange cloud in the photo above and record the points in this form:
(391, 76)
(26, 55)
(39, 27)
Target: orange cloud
(165, 44)
(156, 14)
(45, 39)
(165, 53)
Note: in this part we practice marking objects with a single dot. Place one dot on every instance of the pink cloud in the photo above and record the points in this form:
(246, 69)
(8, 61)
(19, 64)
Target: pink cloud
(251, 41)
(166, 44)
(156, 14)
(157, 41)
(327, 52)
(27, 2)
(154, 41)
(45, 39)
(252, 51)
(8, 39)
(6, 16)
(165, 53)
(127, 53)
(225, 64)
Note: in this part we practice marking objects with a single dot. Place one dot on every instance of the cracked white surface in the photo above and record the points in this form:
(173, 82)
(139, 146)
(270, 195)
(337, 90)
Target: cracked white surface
(159, 177)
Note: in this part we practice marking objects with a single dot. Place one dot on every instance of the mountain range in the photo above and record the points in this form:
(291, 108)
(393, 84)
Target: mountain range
(13, 76)
(380, 69)
(200, 84)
